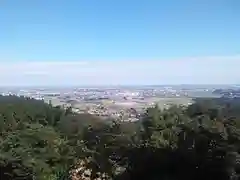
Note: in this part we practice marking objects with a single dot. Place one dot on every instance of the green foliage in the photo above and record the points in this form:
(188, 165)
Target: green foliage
(30, 144)
(39, 141)
(200, 142)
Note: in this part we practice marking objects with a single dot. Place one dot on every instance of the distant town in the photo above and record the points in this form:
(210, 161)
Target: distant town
(122, 103)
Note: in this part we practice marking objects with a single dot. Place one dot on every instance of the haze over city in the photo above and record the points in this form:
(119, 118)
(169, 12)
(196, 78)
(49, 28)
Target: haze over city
(203, 70)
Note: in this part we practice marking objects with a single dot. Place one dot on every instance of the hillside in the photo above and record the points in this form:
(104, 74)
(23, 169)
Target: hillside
(38, 141)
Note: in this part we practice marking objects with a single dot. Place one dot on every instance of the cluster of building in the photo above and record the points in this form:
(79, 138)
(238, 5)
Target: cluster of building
(120, 103)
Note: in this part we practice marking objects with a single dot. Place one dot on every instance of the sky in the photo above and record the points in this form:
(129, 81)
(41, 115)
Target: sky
(93, 42)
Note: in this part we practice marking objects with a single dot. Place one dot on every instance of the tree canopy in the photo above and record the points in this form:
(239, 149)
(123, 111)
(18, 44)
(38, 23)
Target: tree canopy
(39, 141)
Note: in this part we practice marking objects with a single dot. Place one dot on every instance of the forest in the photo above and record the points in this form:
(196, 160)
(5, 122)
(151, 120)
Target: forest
(42, 142)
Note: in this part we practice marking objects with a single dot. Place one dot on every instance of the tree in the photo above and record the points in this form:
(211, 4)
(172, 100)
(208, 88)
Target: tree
(39, 141)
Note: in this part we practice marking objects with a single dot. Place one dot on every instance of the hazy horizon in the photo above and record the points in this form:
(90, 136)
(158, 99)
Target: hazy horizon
(203, 70)
(129, 86)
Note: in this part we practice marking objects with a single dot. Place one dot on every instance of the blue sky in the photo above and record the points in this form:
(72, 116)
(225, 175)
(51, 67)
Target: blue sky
(120, 33)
